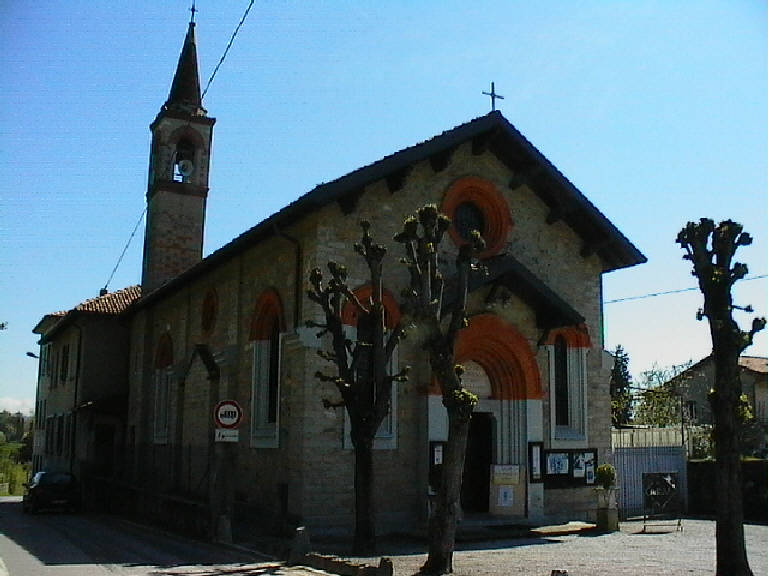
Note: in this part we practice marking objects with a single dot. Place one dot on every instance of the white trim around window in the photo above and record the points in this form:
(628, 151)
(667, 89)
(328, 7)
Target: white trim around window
(574, 433)
(265, 422)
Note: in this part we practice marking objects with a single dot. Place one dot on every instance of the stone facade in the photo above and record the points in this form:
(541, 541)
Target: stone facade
(232, 327)
(306, 474)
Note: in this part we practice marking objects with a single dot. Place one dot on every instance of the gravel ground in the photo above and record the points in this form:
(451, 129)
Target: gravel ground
(662, 551)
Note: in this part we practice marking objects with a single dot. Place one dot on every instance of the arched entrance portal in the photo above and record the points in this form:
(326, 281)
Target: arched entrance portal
(501, 370)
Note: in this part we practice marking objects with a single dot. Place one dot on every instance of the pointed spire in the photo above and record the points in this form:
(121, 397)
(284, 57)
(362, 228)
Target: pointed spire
(185, 90)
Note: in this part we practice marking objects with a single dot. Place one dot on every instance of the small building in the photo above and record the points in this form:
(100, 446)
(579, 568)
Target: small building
(82, 386)
(232, 326)
(699, 379)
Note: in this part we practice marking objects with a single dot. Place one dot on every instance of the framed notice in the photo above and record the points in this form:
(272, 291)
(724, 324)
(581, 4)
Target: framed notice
(535, 452)
(569, 468)
(558, 463)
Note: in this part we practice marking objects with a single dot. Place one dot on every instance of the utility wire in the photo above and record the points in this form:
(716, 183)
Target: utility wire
(654, 294)
(119, 260)
(226, 50)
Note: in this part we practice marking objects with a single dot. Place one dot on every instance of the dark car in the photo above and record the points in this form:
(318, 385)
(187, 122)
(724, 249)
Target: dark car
(49, 490)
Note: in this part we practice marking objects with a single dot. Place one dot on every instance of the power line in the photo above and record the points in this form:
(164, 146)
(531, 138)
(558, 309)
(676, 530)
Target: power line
(226, 50)
(125, 248)
(666, 292)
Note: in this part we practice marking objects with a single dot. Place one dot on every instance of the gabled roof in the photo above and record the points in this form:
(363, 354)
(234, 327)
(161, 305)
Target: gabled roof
(754, 364)
(490, 132)
(107, 304)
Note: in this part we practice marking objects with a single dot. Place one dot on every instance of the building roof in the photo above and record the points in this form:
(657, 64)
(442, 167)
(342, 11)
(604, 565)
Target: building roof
(754, 364)
(490, 132)
(107, 304)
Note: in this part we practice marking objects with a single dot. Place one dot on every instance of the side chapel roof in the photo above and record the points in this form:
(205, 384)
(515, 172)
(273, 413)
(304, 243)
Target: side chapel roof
(108, 304)
(491, 132)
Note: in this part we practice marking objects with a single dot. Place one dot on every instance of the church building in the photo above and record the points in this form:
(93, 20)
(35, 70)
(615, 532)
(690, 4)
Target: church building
(232, 327)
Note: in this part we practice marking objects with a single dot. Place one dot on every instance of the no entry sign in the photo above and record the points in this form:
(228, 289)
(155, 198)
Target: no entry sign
(227, 414)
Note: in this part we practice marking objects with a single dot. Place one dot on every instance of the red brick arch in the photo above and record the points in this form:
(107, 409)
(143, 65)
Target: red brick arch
(486, 197)
(504, 354)
(575, 336)
(268, 309)
(391, 309)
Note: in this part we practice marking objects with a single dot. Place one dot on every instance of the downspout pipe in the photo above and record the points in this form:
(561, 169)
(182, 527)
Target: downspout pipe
(75, 392)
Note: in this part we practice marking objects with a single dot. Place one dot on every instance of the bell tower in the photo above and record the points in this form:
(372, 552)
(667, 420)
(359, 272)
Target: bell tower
(177, 188)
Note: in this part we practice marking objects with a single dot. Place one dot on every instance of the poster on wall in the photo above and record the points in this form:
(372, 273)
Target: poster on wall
(589, 467)
(557, 463)
(579, 465)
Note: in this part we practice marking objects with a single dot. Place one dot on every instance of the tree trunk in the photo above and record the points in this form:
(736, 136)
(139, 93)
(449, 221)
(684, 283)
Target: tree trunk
(442, 525)
(365, 531)
(731, 550)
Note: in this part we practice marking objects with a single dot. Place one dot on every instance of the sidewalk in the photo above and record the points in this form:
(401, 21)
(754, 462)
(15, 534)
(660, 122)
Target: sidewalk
(661, 551)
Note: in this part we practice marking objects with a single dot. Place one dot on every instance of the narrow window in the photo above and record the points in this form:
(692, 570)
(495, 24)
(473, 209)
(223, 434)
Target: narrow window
(64, 366)
(561, 382)
(265, 383)
(274, 372)
(163, 375)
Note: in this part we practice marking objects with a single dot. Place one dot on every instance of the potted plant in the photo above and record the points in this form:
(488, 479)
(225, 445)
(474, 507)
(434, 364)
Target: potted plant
(605, 476)
(607, 506)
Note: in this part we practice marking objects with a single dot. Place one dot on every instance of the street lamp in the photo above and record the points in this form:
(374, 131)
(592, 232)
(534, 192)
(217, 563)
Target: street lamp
(33, 355)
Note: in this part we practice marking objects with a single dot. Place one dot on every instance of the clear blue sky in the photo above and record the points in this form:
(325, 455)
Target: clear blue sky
(657, 111)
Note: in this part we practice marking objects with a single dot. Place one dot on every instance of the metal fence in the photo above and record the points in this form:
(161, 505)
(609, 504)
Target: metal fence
(643, 450)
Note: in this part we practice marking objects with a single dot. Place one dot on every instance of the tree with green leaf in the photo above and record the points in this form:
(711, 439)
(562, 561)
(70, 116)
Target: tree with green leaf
(711, 249)
(361, 376)
(661, 395)
(621, 384)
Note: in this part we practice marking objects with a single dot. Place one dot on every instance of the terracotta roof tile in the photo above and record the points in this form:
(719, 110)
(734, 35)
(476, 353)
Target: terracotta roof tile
(111, 302)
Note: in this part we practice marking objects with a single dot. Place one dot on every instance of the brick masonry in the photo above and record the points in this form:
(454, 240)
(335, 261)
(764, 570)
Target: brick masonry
(309, 475)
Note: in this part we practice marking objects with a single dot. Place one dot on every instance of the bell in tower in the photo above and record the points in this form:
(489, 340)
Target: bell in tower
(177, 187)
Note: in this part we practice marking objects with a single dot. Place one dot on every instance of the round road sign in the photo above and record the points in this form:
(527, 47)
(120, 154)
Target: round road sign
(227, 414)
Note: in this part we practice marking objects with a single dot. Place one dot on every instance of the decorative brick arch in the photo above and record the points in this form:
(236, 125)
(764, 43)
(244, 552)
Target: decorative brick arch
(268, 309)
(164, 352)
(391, 309)
(575, 336)
(484, 195)
(504, 354)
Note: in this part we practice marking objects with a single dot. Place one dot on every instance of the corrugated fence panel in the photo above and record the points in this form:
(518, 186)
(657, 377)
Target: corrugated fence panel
(640, 451)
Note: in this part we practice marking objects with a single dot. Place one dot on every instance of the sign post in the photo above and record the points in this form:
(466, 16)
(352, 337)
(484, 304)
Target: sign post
(227, 415)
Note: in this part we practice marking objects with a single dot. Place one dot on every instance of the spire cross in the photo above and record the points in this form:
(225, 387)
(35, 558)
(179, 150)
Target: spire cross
(193, 10)
(493, 96)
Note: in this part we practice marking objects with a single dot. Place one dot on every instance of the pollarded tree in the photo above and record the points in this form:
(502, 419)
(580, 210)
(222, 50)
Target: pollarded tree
(711, 250)
(361, 370)
(440, 318)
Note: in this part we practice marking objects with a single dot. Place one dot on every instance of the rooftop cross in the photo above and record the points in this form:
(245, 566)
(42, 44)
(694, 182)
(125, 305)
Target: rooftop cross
(193, 10)
(493, 96)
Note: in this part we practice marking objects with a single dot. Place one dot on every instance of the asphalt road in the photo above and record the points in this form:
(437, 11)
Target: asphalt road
(95, 545)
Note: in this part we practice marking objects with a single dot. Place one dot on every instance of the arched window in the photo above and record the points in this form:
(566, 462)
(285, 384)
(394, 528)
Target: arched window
(474, 203)
(162, 381)
(561, 382)
(266, 331)
(183, 161)
(209, 311)
(568, 349)
(359, 328)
